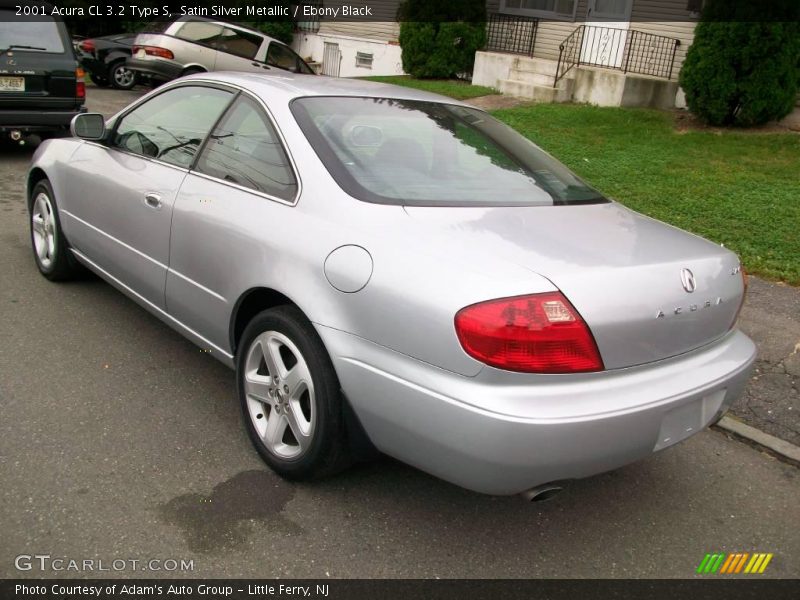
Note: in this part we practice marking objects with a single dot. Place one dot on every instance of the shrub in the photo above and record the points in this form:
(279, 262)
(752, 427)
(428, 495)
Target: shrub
(743, 67)
(439, 40)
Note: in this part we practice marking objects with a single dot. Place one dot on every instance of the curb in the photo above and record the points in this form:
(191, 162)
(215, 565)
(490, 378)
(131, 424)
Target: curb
(777, 445)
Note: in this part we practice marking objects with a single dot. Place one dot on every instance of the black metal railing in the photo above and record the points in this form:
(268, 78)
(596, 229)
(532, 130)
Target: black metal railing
(626, 50)
(512, 34)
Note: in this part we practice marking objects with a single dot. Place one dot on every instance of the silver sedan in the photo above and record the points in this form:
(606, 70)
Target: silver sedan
(392, 270)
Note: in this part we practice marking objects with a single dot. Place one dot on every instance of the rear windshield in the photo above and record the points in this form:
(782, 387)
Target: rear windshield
(414, 153)
(40, 34)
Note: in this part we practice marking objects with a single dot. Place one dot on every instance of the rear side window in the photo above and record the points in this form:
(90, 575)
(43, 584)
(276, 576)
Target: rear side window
(245, 149)
(172, 125)
(35, 35)
(200, 32)
(238, 43)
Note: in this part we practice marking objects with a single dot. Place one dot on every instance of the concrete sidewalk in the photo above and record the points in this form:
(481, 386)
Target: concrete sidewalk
(771, 402)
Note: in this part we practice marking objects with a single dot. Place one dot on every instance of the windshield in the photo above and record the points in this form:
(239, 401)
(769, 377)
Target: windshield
(40, 35)
(415, 153)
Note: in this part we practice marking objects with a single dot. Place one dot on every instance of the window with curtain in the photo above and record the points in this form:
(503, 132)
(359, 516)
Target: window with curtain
(564, 8)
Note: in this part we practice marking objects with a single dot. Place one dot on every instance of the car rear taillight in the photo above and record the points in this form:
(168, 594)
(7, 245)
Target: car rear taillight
(540, 333)
(80, 84)
(154, 51)
(745, 284)
(87, 46)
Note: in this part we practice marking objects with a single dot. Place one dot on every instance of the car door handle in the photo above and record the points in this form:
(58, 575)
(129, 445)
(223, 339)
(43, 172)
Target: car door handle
(152, 200)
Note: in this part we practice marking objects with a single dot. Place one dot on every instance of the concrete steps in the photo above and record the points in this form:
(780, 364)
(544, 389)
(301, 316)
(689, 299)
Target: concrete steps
(532, 79)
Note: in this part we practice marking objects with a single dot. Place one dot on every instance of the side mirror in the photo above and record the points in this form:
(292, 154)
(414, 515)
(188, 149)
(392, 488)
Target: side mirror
(88, 126)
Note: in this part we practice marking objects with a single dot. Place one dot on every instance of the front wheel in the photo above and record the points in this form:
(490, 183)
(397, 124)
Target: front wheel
(50, 248)
(290, 396)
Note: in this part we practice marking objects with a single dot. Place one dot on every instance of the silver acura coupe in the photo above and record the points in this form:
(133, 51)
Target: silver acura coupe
(391, 269)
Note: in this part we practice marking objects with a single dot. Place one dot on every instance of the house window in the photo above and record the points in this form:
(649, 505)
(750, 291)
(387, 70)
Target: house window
(364, 60)
(695, 6)
(560, 8)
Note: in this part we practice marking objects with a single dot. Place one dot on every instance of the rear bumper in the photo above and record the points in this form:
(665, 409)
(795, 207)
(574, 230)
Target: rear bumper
(160, 69)
(506, 437)
(37, 120)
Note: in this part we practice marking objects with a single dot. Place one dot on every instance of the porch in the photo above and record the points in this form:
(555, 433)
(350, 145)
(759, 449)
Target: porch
(605, 65)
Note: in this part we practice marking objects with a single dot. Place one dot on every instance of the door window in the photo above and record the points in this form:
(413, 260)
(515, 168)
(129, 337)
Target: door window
(245, 149)
(238, 43)
(172, 125)
(283, 57)
(200, 32)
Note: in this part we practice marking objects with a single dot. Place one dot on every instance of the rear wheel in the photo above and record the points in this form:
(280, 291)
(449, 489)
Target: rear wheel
(50, 249)
(122, 77)
(192, 71)
(290, 396)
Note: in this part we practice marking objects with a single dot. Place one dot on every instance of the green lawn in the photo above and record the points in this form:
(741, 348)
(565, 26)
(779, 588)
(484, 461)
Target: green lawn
(739, 189)
(447, 87)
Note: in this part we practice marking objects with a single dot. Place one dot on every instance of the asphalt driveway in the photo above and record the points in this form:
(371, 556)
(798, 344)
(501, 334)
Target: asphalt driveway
(121, 440)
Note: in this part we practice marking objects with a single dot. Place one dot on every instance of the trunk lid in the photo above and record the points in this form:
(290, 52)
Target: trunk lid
(624, 272)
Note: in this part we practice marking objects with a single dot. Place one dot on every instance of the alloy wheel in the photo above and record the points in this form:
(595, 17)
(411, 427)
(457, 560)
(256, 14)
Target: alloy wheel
(280, 395)
(44, 230)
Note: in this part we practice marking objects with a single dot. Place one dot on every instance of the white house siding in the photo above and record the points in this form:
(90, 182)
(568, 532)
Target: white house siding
(669, 18)
(376, 37)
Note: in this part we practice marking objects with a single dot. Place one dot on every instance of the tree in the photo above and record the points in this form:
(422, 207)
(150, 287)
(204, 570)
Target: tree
(744, 65)
(439, 39)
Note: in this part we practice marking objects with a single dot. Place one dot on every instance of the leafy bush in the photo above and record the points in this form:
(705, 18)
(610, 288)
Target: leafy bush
(744, 65)
(439, 39)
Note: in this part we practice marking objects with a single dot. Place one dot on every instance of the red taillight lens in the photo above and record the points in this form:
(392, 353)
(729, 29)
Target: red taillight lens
(745, 284)
(540, 333)
(80, 84)
(154, 51)
(87, 46)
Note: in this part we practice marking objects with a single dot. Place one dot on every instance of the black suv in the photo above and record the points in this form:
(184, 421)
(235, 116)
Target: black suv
(41, 84)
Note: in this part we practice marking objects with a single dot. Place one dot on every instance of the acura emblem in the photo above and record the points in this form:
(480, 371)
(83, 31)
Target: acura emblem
(687, 279)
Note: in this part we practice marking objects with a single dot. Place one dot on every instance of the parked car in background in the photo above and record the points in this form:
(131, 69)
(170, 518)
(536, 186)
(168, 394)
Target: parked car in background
(194, 45)
(104, 60)
(41, 82)
(381, 264)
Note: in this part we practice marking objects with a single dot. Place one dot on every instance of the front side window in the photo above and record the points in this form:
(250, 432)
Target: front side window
(200, 32)
(283, 57)
(245, 149)
(238, 43)
(172, 125)
(415, 153)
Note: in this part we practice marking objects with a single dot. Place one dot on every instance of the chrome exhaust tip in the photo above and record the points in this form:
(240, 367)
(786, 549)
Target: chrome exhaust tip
(543, 492)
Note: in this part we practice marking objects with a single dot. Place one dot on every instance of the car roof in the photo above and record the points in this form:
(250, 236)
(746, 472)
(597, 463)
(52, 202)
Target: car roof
(184, 18)
(284, 85)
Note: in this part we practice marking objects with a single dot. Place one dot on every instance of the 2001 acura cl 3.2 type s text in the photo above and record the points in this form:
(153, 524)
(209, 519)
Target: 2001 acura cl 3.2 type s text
(387, 265)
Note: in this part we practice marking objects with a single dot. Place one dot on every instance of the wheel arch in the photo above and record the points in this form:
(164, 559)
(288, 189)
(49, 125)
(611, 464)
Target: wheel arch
(35, 175)
(249, 304)
(193, 68)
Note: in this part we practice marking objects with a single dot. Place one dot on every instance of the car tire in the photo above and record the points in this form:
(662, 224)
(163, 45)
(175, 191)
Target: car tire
(50, 247)
(122, 78)
(99, 81)
(290, 396)
(192, 71)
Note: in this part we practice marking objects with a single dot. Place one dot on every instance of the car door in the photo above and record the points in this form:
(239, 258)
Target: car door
(192, 43)
(243, 184)
(237, 50)
(121, 193)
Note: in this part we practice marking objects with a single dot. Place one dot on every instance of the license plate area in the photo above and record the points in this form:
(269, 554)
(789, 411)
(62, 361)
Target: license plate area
(687, 419)
(12, 84)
